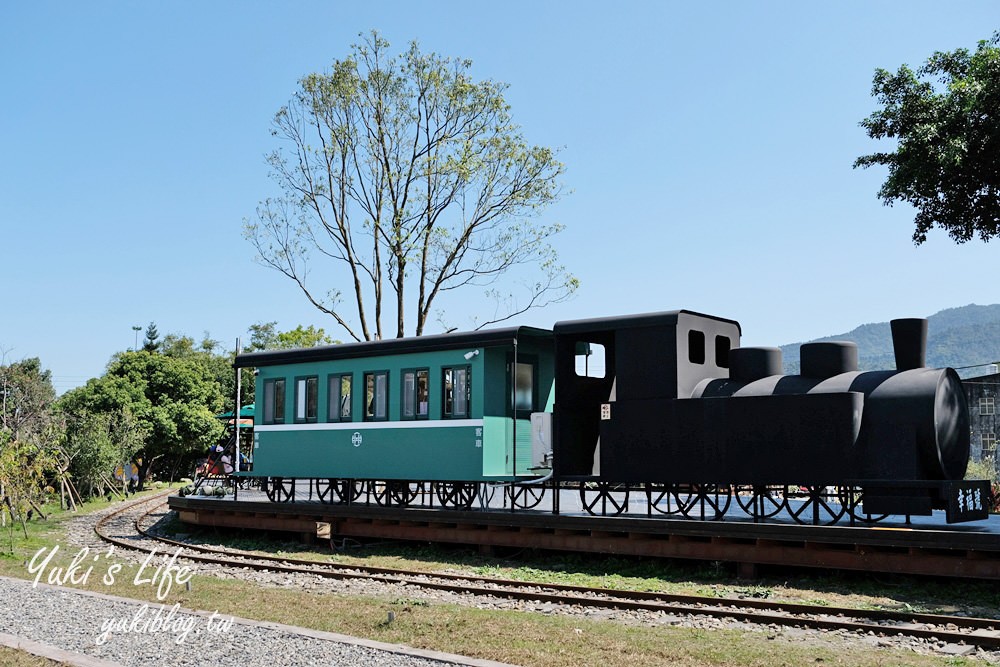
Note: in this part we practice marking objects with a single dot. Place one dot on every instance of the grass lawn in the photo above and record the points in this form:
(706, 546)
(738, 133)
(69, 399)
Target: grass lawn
(13, 658)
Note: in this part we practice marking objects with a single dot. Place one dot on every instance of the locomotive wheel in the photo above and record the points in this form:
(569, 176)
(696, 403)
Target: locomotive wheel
(705, 502)
(662, 499)
(338, 490)
(524, 497)
(760, 501)
(814, 505)
(350, 490)
(852, 499)
(379, 492)
(394, 492)
(596, 496)
(403, 493)
(280, 490)
(459, 495)
(326, 490)
(487, 491)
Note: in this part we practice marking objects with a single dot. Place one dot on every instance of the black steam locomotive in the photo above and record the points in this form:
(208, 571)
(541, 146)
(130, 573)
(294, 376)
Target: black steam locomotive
(681, 410)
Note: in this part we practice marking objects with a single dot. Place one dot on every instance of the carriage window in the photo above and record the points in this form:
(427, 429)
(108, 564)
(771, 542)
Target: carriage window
(590, 360)
(377, 396)
(696, 347)
(722, 347)
(416, 390)
(457, 395)
(274, 401)
(306, 398)
(339, 398)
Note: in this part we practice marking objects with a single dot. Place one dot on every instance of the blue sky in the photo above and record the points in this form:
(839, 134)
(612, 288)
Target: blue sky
(708, 147)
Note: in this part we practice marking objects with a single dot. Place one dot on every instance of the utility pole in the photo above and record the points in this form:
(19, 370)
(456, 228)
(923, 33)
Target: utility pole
(236, 413)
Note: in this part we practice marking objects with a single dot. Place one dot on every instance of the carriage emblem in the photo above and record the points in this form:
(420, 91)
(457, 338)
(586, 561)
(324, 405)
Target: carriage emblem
(356, 439)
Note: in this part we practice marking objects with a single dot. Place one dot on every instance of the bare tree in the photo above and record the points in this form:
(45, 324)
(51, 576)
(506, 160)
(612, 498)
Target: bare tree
(412, 179)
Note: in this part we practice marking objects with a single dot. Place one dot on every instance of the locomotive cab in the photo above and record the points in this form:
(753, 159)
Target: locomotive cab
(601, 363)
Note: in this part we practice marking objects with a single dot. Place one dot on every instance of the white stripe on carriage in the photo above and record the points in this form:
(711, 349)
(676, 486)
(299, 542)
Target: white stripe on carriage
(363, 426)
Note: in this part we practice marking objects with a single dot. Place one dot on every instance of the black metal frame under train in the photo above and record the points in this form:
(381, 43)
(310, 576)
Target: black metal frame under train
(802, 505)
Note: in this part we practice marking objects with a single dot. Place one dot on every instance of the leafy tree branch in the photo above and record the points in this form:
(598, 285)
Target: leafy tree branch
(945, 117)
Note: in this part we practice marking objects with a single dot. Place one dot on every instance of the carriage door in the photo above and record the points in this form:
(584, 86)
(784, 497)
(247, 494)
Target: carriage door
(522, 384)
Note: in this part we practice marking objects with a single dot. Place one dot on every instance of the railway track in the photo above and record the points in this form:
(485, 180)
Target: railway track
(976, 632)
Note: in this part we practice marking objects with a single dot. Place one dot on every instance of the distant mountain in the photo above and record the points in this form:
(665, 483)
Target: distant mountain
(955, 337)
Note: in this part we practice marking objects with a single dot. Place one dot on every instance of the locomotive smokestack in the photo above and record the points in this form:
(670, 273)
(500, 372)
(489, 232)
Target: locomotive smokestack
(909, 343)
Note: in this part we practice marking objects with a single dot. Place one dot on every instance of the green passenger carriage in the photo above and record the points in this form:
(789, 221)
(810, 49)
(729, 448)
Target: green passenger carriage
(452, 411)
